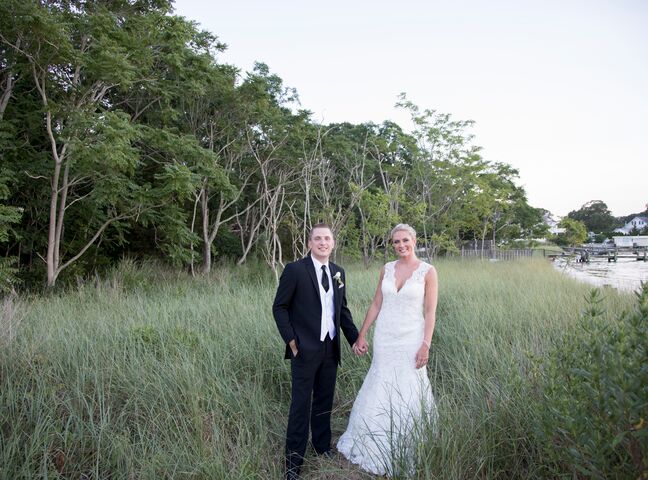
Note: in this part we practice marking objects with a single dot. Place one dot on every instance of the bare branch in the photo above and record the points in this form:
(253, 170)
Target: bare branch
(94, 238)
(77, 199)
(35, 177)
(146, 107)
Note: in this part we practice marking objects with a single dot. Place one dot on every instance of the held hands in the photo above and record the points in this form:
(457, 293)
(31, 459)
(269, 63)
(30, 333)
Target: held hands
(422, 355)
(360, 347)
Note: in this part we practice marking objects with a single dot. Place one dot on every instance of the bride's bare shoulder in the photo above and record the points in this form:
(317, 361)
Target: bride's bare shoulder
(430, 271)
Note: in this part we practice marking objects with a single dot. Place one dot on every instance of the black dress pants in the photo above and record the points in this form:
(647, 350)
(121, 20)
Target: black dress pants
(313, 385)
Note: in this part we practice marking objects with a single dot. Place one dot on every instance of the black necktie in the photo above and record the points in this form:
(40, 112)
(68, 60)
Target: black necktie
(325, 284)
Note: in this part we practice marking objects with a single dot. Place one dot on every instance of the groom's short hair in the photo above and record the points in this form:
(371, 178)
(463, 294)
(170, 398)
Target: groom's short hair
(319, 225)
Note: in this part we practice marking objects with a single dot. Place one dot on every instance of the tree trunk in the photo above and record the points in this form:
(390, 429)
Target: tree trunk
(193, 226)
(52, 247)
(6, 93)
(204, 205)
(483, 238)
(252, 222)
(9, 82)
(206, 267)
(51, 236)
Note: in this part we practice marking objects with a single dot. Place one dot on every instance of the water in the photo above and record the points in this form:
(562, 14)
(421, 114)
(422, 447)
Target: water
(625, 274)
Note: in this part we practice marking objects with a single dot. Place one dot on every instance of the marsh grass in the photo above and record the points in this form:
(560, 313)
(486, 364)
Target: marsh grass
(10, 318)
(150, 374)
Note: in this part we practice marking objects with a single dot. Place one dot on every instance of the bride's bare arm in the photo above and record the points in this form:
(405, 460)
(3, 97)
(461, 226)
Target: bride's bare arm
(429, 307)
(431, 296)
(370, 317)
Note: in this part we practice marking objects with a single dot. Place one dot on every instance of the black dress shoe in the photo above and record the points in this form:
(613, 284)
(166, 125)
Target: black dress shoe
(293, 465)
(292, 474)
(327, 454)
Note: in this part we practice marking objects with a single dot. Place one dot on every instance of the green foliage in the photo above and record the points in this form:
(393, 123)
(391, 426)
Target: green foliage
(9, 216)
(596, 419)
(158, 150)
(464, 197)
(575, 233)
(596, 216)
(8, 274)
(601, 237)
(376, 218)
(528, 220)
(444, 245)
(228, 245)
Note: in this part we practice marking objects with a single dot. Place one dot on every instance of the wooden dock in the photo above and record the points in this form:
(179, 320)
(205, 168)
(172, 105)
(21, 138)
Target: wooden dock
(586, 254)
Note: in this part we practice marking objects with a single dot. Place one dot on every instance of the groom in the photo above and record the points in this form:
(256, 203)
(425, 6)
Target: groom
(310, 309)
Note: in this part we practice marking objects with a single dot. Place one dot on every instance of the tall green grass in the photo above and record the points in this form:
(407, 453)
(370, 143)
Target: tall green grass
(151, 374)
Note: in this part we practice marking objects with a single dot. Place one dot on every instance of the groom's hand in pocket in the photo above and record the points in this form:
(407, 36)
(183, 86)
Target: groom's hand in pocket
(293, 346)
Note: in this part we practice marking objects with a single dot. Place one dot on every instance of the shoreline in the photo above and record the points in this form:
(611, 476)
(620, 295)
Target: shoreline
(624, 276)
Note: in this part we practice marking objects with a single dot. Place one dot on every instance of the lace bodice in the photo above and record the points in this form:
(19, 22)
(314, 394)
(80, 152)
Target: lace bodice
(401, 314)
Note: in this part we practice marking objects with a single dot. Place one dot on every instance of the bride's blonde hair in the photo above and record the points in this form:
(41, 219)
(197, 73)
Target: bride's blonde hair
(403, 227)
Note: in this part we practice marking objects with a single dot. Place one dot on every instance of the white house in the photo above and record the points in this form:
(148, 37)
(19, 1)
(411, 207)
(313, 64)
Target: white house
(554, 229)
(637, 222)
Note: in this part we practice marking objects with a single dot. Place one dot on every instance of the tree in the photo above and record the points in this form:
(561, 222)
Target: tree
(98, 105)
(526, 222)
(596, 216)
(347, 169)
(9, 216)
(495, 200)
(210, 115)
(376, 220)
(75, 59)
(445, 179)
(121, 134)
(575, 232)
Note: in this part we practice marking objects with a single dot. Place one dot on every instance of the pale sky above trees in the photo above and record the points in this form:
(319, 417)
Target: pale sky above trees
(557, 88)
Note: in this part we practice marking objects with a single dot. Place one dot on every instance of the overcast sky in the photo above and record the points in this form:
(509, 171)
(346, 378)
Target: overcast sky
(558, 89)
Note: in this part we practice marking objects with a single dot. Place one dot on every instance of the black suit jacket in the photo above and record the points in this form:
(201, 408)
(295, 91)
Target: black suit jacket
(297, 308)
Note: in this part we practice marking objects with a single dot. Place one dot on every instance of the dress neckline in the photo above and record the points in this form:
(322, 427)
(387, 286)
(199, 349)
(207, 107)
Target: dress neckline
(398, 290)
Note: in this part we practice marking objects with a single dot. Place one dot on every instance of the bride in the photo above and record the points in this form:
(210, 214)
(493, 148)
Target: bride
(395, 403)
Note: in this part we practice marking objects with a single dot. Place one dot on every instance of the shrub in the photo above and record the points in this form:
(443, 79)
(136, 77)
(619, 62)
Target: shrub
(595, 423)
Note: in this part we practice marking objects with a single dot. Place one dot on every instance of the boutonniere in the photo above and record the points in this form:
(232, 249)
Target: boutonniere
(338, 278)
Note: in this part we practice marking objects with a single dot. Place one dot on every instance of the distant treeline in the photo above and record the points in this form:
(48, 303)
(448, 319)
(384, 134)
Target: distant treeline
(123, 135)
(597, 218)
(594, 217)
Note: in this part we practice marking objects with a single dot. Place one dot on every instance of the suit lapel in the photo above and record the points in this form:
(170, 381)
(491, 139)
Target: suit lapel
(335, 287)
(310, 266)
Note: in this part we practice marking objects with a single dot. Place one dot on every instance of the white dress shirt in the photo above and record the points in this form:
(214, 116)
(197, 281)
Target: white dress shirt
(328, 312)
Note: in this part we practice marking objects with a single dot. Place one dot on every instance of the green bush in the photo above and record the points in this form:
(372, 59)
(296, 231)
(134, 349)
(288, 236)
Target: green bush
(596, 394)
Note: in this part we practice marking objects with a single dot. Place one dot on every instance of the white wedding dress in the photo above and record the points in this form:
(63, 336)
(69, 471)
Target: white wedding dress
(394, 408)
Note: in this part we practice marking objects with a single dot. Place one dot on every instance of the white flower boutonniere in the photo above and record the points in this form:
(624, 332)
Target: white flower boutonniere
(338, 278)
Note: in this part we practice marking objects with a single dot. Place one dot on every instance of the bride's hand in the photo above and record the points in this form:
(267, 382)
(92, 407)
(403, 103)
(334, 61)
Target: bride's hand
(422, 355)
(360, 347)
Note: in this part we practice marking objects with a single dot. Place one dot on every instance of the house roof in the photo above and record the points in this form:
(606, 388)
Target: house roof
(633, 219)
